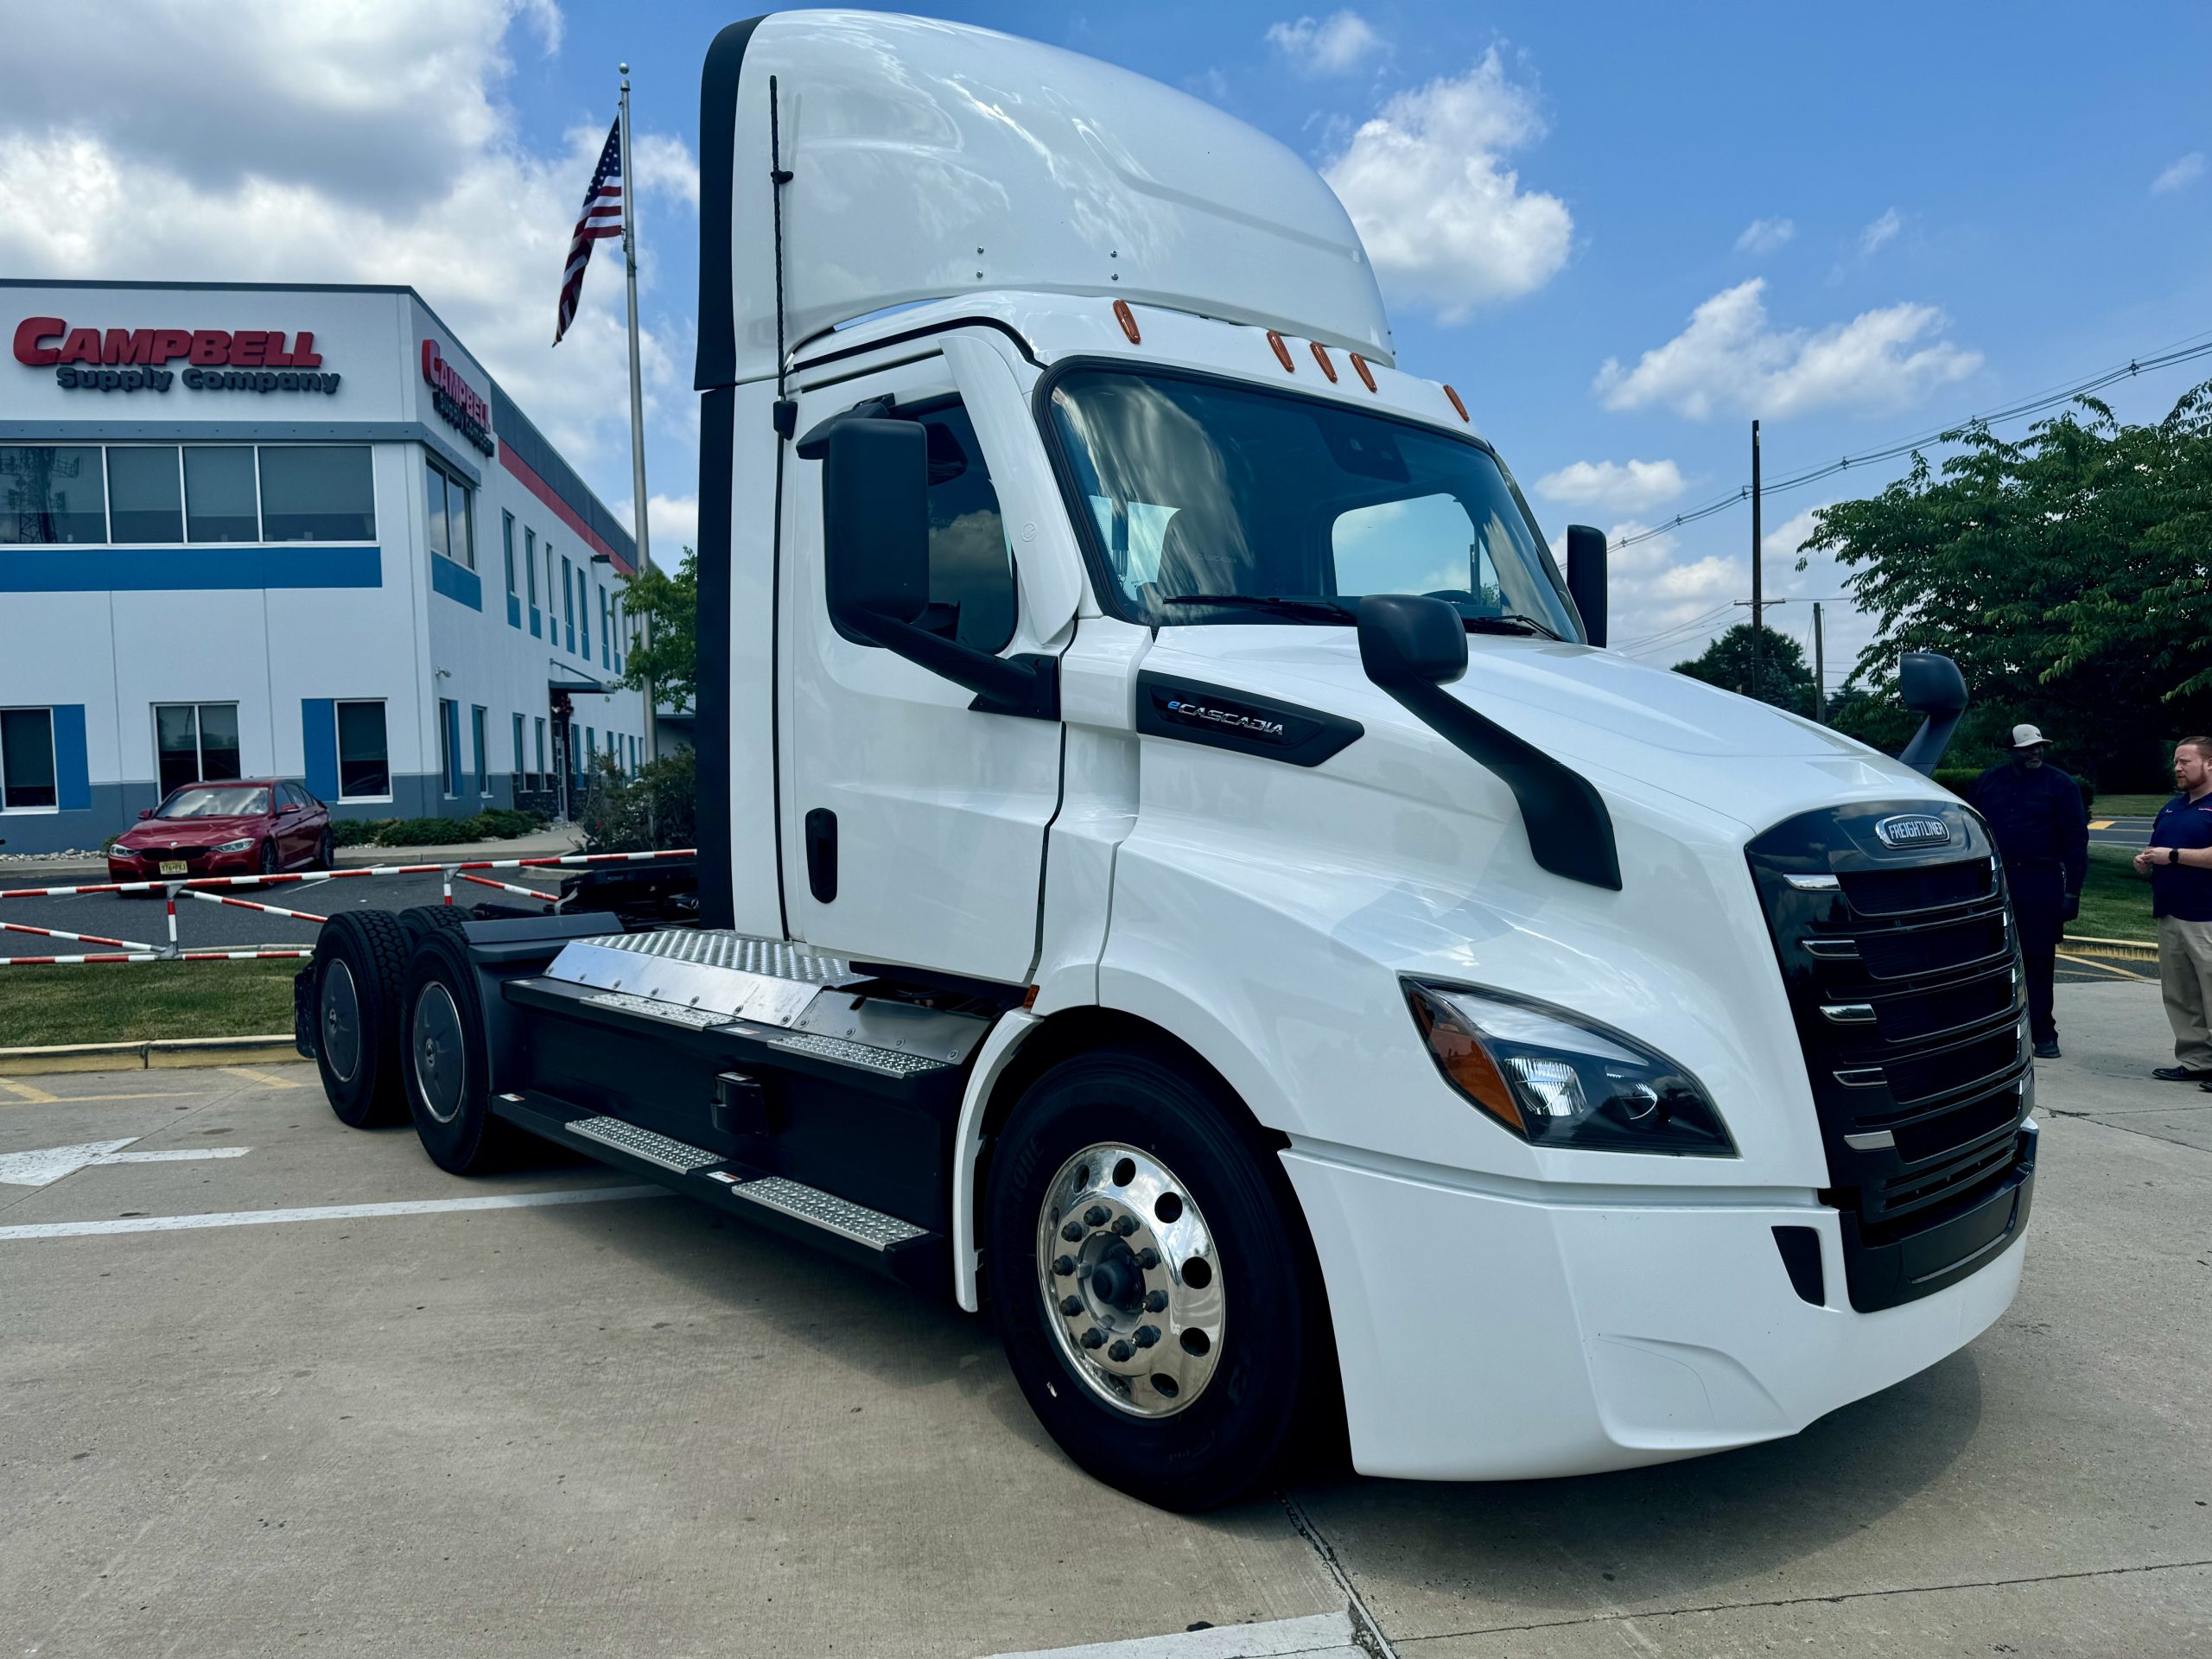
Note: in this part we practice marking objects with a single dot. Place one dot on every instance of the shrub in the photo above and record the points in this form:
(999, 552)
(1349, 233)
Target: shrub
(656, 809)
(357, 832)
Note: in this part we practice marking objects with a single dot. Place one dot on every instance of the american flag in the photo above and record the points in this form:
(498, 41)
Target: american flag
(601, 218)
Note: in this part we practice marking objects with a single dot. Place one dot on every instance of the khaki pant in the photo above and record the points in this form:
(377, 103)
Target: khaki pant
(2185, 974)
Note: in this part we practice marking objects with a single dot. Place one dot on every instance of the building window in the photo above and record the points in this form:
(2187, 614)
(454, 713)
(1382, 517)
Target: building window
(195, 743)
(606, 632)
(539, 778)
(364, 759)
(222, 501)
(477, 747)
(520, 776)
(318, 492)
(145, 489)
(27, 775)
(507, 545)
(591, 750)
(446, 516)
(52, 493)
(448, 747)
(569, 598)
(530, 576)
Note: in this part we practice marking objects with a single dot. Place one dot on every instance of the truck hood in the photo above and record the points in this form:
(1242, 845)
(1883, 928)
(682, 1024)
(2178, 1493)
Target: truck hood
(1631, 728)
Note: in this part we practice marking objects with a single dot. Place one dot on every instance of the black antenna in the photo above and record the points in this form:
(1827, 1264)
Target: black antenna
(786, 414)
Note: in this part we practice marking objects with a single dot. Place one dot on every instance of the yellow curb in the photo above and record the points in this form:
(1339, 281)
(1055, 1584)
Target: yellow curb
(155, 1053)
(2124, 950)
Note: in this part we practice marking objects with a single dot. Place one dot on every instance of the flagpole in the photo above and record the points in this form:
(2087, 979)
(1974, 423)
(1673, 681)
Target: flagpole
(637, 404)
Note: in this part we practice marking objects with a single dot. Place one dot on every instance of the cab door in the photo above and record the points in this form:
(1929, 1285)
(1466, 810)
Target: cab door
(912, 826)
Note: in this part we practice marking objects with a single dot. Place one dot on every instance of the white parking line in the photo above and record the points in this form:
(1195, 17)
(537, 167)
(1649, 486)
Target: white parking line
(326, 1212)
(1325, 1636)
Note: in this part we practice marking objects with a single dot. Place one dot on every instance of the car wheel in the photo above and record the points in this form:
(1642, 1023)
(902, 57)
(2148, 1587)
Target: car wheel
(1149, 1278)
(326, 853)
(445, 1062)
(268, 860)
(360, 960)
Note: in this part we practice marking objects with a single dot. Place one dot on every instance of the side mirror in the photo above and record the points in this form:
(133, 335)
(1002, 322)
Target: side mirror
(875, 522)
(288, 809)
(1409, 639)
(145, 811)
(1585, 578)
(1930, 684)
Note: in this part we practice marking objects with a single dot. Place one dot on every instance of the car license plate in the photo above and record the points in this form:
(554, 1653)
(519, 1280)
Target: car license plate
(172, 866)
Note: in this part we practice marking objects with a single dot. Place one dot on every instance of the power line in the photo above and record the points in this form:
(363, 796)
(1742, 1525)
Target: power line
(2029, 406)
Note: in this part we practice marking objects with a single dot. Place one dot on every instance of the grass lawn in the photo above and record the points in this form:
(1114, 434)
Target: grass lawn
(124, 1001)
(2115, 901)
(2128, 806)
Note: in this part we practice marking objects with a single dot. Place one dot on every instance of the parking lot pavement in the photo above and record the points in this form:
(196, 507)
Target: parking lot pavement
(590, 1423)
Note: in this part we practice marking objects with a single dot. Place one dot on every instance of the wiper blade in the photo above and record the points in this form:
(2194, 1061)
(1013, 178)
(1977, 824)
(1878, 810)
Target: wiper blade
(1305, 610)
(1511, 622)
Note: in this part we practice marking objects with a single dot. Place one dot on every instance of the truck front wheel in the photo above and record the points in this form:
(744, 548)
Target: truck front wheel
(1146, 1279)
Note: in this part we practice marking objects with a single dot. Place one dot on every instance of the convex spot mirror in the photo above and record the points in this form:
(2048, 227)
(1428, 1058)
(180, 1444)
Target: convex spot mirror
(875, 521)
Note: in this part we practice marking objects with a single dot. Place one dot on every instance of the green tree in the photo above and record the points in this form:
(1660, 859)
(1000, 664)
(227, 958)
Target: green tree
(670, 603)
(2067, 573)
(1782, 677)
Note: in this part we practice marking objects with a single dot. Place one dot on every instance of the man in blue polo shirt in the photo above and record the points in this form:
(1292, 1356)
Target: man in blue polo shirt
(2179, 863)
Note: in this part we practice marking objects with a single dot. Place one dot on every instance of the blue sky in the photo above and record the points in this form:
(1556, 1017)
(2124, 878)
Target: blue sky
(1858, 225)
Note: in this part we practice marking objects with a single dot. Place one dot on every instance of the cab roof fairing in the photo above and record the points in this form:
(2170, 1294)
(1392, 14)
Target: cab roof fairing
(930, 160)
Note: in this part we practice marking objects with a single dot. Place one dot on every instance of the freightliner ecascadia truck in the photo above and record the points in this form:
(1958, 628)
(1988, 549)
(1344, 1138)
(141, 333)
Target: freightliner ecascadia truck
(1180, 871)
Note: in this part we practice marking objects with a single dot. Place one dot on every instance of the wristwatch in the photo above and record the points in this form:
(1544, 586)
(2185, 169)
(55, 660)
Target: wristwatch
(2173, 854)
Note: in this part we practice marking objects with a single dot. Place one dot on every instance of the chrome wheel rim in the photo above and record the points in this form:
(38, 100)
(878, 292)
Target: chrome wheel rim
(342, 1020)
(1131, 1280)
(441, 1062)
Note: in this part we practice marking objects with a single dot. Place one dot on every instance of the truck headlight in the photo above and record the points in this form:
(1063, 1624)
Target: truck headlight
(242, 846)
(1557, 1079)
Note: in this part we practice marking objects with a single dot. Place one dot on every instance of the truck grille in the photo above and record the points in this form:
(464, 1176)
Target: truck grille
(1903, 978)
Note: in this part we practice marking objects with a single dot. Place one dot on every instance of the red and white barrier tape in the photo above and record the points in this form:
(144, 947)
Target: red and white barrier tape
(510, 886)
(81, 938)
(153, 955)
(196, 882)
(249, 903)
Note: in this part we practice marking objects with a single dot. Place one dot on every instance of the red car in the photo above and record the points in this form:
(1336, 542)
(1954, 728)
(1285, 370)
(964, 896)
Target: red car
(229, 828)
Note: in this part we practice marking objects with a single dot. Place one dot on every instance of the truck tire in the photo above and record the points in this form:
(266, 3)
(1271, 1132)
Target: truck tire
(1149, 1278)
(420, 920)
(443, 1058)
(360, 959)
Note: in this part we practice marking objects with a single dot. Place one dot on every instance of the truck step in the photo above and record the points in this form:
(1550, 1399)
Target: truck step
(625, 1136)
(815, 1207)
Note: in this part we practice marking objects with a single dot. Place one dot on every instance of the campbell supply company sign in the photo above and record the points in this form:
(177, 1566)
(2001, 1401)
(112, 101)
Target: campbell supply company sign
(137, 359)
(459, 404)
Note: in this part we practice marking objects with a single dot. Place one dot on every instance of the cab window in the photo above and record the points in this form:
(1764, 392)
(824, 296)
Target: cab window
(971, 562)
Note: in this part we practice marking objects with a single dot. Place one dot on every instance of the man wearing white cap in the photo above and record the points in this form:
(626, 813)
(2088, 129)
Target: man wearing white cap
(2042, 830)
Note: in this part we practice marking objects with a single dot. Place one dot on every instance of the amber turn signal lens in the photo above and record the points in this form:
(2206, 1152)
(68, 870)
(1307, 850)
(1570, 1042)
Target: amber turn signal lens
(1282, 352)
(1456, 403)
(1321, 356)
(1127, 318)
(1366, 374)
(1465, 1060)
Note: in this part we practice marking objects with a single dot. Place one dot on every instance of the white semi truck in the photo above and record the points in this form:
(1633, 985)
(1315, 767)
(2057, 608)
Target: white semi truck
(1180, 871)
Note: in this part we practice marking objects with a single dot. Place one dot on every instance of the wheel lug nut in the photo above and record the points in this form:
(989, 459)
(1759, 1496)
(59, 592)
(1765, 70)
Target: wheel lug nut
(1147, 1258)
(1155, 1301)
(1070, 1306)
(1073, 1232)
(1125, 1225)
(1120, 1352)
(1096, 1216)
(1147, 1335)
(1094, 1337)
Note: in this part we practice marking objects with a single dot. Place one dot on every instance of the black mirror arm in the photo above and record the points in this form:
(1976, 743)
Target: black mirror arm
(1925, 751)
(1570, 832)
(1027, 685)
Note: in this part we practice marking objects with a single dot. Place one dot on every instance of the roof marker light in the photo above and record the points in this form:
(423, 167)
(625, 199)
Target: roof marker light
(1124, 316)
(1321, 356)
(1365, 374)
(1282, 352)
(1456, 403)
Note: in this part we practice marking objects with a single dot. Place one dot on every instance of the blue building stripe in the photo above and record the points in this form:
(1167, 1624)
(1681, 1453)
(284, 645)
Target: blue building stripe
(72, 772)
(318, 726)
(69, 569)
(456, 582)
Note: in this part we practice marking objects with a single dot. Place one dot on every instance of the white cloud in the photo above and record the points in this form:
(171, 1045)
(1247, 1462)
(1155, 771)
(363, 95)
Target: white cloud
(347, 145)
(1883, 230)
(1765, 235)
(662, 163)
(1616, 487)
(1729, 358)
(1329, 46)
(671, 521)
(2179, 174)
(1445, 220)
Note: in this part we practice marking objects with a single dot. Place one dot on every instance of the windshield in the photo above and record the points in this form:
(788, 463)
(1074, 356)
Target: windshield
(1203, 487)
(215, 801)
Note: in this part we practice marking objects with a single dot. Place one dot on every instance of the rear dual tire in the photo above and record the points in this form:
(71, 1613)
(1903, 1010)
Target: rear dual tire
(444, 1064)
(361, 963)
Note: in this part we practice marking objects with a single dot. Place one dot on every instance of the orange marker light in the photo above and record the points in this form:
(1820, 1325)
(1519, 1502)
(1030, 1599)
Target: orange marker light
(1282, 352)
(1365, 374)
(1124, 316)
(1321, 356)
(1456, 403)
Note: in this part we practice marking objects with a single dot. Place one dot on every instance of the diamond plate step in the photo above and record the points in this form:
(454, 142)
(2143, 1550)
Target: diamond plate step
(827, 1211)
(680, 1156)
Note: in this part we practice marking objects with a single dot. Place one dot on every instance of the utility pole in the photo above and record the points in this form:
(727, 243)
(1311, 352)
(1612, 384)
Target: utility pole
(1758, 599)
(1820, 671)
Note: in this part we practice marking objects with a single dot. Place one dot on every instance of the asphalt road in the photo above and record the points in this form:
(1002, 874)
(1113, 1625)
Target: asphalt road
(582, 1422)
(200, 924)
(2120, 832)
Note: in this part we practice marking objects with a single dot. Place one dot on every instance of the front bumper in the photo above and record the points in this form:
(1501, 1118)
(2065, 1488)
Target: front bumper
(128, 866)
(1486, 1335)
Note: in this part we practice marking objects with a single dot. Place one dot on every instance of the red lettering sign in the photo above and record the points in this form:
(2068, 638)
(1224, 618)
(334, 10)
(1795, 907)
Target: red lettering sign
(41, 342)
(442, 375)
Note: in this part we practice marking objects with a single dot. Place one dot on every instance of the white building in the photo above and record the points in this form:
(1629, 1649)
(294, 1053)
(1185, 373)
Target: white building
(254, 531)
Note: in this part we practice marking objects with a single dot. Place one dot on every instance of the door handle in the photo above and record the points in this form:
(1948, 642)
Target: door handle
(821, 855)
